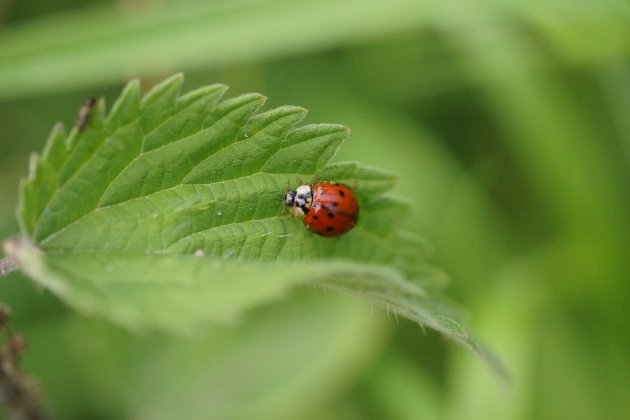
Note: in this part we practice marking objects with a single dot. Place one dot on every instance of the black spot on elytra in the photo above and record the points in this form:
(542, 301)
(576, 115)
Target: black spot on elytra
(316, 217)
(330, 229)
(330, 215)
(334, 204)
(341, 193)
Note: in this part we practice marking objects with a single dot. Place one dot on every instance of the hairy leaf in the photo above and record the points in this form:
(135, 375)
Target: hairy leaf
(167, 213)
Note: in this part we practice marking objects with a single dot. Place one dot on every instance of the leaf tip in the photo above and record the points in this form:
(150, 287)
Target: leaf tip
(176, 79)
(58, 128)
(170, 86)
(296, 109)
(131, 89)
(33, 160)
(218, 87)
(294, 113)
(258, 96)
(126, 107)
(57, 134)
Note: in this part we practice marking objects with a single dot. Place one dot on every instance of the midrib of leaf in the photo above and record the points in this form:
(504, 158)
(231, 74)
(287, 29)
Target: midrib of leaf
(201, 199)
(222, 213)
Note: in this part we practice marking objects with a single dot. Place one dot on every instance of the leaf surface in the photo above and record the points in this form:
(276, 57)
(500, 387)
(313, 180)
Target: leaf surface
(167, 214)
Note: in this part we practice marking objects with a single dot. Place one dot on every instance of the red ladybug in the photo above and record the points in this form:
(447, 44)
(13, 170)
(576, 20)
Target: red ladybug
(328, 208)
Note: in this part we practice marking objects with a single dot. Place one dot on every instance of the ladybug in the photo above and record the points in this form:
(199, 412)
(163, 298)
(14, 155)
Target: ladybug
(328, 208)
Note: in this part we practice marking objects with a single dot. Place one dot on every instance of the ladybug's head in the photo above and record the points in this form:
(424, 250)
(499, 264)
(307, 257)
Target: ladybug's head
(289, 197)
(299, 200)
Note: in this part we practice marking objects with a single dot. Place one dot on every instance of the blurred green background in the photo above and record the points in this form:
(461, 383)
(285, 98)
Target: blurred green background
(509, 125)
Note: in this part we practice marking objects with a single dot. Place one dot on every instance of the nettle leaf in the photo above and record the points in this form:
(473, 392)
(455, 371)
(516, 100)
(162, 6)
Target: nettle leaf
(167, 213)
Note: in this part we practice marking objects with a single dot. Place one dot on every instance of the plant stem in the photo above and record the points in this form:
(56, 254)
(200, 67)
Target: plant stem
(19, 394)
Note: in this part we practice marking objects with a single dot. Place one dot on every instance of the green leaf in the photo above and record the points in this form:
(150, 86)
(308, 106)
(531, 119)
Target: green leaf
(100, 43)
(167, 213)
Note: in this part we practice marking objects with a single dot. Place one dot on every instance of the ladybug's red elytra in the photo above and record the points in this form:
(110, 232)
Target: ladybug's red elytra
(328, 208)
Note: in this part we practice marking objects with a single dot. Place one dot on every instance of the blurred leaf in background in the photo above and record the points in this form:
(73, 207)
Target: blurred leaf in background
(508, 123)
